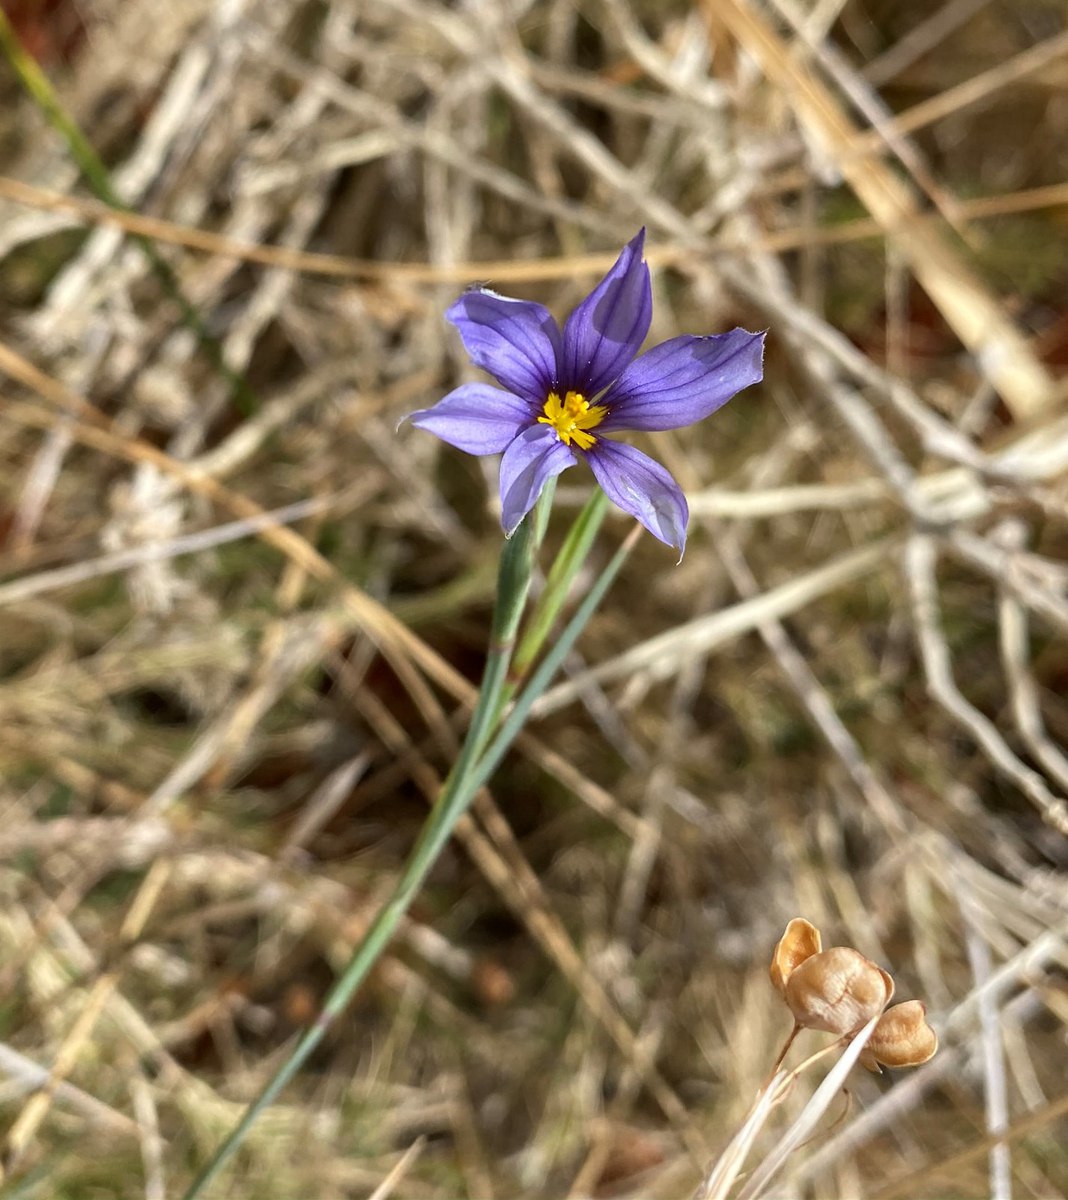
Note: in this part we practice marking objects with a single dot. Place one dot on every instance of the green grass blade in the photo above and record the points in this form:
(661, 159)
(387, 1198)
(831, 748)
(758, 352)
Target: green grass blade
(456, 796)
(548, 667)
(513, 586)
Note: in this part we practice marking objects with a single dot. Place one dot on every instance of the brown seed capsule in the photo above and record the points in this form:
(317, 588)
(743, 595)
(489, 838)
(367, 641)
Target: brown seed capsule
(800, 941)
(837, 990)
(902, 1038)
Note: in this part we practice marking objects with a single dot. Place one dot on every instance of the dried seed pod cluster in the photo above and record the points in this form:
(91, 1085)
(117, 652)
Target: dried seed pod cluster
(839, 991)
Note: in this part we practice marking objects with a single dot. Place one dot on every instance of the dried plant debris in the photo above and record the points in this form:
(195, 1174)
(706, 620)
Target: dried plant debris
(240, 616)
(839, 991)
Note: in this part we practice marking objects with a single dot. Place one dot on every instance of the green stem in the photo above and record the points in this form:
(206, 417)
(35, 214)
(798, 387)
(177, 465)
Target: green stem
(36, 83)
(513, 587)
(456, 796)
(573, 554)
(542, 677)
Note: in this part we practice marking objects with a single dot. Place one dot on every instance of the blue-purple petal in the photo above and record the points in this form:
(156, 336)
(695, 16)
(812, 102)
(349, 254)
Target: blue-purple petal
(607, 329)
(643, 488)
(516, 341)
(683, 380)
(536, 456)
(476, 418)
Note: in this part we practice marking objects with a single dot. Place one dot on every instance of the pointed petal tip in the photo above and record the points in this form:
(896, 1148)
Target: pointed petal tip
(640, 486)
(684, 380)
(761, 338)
(475, 418)
(606, 330)
(749, 342)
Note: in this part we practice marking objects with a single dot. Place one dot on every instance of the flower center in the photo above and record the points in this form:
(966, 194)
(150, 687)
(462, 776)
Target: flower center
(572, 417)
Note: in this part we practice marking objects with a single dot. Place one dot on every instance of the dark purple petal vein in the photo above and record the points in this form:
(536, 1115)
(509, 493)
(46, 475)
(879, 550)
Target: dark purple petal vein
(476, 418)
(607, 329)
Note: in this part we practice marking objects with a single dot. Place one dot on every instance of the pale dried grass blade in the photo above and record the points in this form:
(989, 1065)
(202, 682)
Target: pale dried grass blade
(978, 319)
(807, 1119)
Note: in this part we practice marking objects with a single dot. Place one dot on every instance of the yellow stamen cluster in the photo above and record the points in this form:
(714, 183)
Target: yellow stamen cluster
(572, 417)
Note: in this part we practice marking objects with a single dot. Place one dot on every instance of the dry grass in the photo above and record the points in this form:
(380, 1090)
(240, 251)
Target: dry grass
(220, 729)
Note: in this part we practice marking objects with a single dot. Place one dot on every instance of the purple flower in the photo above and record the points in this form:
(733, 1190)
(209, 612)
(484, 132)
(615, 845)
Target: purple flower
(565, 389)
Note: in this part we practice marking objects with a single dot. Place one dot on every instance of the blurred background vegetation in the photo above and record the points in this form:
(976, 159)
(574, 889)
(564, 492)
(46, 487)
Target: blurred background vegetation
(219, 733)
